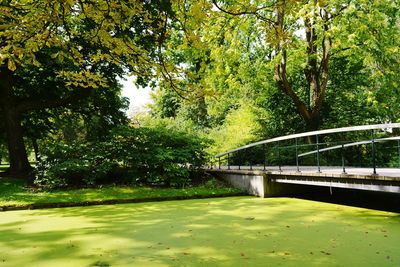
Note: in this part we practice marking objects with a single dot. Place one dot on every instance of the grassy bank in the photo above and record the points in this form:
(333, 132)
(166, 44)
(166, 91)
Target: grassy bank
(14, 193)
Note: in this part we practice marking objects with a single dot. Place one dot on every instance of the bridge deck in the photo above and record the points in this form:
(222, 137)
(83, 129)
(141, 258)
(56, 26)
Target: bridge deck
(326, 171)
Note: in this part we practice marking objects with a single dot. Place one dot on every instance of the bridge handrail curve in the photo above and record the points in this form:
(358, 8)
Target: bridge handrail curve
(314, 133)
(395, 138)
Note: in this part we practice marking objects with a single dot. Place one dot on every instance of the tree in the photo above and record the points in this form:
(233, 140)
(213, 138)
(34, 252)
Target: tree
(247, 58)
(301, 38)
(89, 42)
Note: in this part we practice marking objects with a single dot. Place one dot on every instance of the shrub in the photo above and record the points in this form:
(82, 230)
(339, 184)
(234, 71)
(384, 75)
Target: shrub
(395, 162)
(157, 156)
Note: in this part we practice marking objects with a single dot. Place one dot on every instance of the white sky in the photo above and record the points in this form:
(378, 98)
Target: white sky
(138, 97)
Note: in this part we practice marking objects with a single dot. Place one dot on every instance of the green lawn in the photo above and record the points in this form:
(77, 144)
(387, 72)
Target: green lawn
(235, 231)
(14, 193)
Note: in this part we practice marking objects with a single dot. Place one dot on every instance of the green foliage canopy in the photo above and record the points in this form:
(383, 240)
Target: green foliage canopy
(53, 53)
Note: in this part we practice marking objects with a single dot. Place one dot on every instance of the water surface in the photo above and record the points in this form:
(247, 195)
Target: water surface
(236, 231)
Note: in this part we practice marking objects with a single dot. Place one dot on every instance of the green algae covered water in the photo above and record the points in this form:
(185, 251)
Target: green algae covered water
(236, 231)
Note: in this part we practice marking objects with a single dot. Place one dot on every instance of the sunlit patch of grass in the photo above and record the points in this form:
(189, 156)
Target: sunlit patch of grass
(4, 167)
(13, 192)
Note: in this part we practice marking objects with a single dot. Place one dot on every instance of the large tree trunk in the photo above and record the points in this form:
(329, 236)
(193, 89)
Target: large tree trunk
(19, 164)
(12, 109)
(316, 72)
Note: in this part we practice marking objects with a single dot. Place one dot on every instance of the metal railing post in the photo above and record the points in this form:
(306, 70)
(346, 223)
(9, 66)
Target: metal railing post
(239, 158)
(318, 165)
(279, 157)
(251, 166)
(265, 159)
(398, 150)
(343, 161)
(373, 152)
(297, 158)
(229, 166)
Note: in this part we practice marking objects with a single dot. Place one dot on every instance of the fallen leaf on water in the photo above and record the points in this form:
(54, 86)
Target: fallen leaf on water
(326, 253)
(101, 264)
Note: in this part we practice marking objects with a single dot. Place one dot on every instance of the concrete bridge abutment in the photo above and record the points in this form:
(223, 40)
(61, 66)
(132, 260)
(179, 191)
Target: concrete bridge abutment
(259, 183)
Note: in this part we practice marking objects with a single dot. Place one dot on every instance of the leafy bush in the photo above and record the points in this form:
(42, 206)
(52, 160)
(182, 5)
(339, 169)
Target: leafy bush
(395, 162)
(158, 156)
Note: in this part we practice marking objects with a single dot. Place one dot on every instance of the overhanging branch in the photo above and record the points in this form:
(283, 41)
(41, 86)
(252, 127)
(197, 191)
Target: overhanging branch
(247, 12)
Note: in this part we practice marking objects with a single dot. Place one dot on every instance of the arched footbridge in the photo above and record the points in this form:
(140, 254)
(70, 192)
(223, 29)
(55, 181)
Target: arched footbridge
(361, 157)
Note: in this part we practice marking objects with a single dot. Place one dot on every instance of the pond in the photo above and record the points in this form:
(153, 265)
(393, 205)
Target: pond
(235, 231)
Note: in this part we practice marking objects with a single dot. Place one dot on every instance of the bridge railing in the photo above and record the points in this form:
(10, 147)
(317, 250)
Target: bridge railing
(366, 146)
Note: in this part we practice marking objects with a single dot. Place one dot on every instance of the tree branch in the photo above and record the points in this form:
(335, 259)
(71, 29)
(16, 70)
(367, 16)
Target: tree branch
(326, 50)
(283, 84)
(246, 12)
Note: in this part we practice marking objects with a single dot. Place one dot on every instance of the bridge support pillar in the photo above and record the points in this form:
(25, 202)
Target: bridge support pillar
(271, 189)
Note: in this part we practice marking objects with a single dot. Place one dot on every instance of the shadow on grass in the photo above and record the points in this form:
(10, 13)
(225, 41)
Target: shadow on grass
(239, 231)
